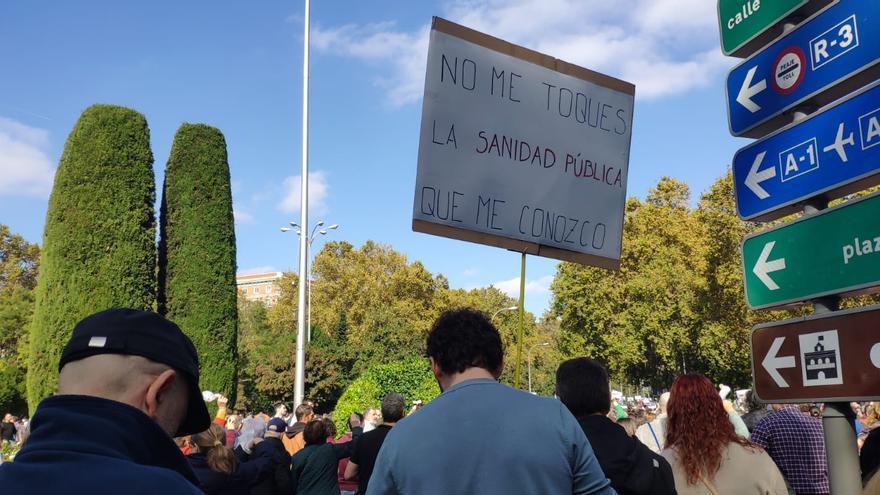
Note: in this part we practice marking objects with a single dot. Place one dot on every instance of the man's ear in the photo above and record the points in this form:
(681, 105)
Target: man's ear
(435, 368)
(497, 373)
(157, 391)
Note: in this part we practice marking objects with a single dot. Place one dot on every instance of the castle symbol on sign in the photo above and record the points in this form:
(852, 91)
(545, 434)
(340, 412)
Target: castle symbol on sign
(820, 358)
(821, 364)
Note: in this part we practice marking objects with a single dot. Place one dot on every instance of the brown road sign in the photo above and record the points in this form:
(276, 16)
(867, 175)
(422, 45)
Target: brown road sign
(831, 357)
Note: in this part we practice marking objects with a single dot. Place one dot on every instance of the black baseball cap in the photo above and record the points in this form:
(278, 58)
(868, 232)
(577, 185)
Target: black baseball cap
(145, 334)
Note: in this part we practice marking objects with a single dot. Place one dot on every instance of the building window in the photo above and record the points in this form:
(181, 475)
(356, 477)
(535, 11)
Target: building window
(256, 290)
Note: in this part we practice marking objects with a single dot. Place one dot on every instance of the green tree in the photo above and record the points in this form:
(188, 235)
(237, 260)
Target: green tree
(16, 311)
(99, 242)
(197, 252)
(377, 287)
(266, 359)
(410, 377)
(724, 340)
(641, 320)
(19, 261)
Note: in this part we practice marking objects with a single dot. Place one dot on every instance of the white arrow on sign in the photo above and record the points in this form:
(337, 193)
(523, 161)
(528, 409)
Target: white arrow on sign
(764, 267)
(747, 91)
(755, 178)
(773, 363)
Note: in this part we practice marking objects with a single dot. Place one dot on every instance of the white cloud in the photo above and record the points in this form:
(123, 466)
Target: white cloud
(380, 44)
(318, 189)
(665, 47)
(257, 269)
(536, 286)
(470, 272)
(25, 168)
(242, 216)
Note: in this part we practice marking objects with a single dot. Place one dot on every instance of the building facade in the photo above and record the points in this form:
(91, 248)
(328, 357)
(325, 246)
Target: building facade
(263, 287)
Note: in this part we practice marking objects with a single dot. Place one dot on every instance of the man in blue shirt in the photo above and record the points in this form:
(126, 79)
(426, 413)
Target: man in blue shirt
(481, 437)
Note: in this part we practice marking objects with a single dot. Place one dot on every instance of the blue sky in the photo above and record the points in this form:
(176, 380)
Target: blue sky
(237, 65)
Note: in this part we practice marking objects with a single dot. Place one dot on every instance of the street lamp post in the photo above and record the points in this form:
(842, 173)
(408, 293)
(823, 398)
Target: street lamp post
(512, 308)
(542, 344)
(309, 240)
(300, 380)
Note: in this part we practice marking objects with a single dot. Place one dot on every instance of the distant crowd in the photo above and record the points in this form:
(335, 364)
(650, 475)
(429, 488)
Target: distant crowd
(129, 417)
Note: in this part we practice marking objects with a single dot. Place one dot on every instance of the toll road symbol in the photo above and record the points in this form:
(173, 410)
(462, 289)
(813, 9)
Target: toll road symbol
(820, 358)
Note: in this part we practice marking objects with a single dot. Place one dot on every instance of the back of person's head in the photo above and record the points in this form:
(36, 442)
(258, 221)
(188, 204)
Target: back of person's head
(663, 403)
(275, 428)
(137, 358)
(251, 429)
(393, 407)
(212, 442)
(752, 401)
(698, 427)
(315, 433)
(360, 419)
(462, 339)
(582, 385)
(329, 427)
(303, 412)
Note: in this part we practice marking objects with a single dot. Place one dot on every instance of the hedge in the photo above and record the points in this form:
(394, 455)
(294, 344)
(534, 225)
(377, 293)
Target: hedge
(99, 242)
(197, 252)
(410, 377)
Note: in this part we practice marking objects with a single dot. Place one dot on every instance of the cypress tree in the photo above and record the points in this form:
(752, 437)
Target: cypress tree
(99, 242)
(197, 252)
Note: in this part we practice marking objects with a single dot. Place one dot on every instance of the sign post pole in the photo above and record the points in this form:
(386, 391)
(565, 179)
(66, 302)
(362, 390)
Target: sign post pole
(519, 334)
(841, 451)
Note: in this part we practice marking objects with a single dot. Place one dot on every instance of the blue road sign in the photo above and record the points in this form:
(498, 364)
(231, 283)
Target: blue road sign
(834, 152)
(830, 54)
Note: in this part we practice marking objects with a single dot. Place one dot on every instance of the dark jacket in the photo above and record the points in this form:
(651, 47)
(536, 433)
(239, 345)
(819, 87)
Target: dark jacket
(869, 456)
(277, 481)
(314, 468)
(82, 444)
(7, 432)
(238, 483)
(630, 466)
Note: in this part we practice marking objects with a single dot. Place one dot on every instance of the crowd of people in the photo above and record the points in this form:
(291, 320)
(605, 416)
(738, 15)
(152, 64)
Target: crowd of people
(129, 417)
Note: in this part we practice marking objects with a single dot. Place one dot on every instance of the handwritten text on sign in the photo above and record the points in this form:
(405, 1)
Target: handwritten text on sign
(516, 150)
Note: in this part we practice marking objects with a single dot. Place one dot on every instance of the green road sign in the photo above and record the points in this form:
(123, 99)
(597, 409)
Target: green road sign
(836, 251)
(744, 21)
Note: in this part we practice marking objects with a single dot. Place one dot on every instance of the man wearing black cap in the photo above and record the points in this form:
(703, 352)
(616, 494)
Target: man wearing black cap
(128, 381)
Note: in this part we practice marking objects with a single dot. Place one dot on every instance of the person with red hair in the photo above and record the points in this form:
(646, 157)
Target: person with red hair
(704, 450)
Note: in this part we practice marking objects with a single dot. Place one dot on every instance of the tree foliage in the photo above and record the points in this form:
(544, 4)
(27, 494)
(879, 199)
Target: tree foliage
(19, 263)
(376, 287)
(640, 320)
(99, 246)
(677, 303)
(197, 252)
(411, 378)
(369, 306)
(265, 359)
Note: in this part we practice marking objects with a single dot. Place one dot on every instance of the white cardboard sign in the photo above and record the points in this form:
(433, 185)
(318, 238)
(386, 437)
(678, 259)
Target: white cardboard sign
(520, 150)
